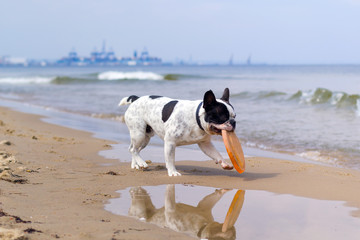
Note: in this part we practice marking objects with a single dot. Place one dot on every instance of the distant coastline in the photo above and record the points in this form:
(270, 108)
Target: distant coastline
(97, 58)
(107, 58)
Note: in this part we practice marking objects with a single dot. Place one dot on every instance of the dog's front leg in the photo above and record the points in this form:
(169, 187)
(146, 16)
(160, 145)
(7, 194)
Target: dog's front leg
(169, 148)
(209, 149)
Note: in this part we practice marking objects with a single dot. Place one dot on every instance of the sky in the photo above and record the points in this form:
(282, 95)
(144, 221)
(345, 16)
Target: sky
(270, 31)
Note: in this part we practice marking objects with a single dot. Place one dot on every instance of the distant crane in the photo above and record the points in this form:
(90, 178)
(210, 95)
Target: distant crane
(248, 62)
(231, 60)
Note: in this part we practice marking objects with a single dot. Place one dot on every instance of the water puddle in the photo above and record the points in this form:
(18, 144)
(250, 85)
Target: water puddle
(209, 213)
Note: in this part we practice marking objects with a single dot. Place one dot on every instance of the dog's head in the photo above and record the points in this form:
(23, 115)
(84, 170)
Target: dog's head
(219, 113)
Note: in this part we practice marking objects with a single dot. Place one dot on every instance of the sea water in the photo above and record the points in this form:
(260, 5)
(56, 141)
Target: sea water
(312, 112)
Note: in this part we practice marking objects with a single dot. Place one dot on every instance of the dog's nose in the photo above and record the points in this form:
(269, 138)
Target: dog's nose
(233, 123)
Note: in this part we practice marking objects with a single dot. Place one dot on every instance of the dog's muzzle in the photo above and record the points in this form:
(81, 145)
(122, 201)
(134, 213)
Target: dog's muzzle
(228, 126)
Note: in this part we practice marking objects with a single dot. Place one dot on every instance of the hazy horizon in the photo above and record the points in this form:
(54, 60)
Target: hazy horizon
(272, 32)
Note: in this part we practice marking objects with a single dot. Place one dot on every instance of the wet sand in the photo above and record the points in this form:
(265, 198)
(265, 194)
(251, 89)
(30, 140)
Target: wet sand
(54, 184)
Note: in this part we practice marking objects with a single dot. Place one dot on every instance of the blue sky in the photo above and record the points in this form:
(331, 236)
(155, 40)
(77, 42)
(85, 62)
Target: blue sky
(271, 31)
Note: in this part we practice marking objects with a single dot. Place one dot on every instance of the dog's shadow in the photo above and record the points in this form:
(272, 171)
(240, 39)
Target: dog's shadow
(190, 170)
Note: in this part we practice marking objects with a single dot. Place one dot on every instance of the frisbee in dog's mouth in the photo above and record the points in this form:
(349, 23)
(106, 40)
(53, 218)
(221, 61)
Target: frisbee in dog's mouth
(234, 150)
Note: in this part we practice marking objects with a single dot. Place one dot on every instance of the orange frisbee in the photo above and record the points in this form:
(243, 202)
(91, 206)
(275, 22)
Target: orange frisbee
(234, 150)
(234, 210)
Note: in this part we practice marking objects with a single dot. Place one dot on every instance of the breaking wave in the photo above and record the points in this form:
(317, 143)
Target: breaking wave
(113, 75)
(26, 80)
(325, 96)
(139, 75)
(94, 77)
(316, 97)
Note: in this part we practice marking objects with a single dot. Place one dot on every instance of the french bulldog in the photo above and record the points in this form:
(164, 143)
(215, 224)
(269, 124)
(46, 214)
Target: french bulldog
(177, 122)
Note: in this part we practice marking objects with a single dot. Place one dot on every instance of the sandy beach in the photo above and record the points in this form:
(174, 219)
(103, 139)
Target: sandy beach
(54, 184)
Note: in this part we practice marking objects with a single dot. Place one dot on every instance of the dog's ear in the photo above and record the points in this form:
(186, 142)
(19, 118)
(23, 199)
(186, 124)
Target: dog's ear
(209, 99)
(226, 95)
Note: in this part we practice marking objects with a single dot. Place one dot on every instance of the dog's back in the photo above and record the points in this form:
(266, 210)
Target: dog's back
(164, 115)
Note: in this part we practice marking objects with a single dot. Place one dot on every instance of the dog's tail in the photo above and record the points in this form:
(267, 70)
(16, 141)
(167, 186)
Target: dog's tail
(128, 100)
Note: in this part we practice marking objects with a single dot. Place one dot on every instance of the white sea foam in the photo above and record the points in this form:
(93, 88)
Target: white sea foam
(257, 145)
(336, 98)
(26, 80)
(139, 75)
(306, 96)
(318, 157)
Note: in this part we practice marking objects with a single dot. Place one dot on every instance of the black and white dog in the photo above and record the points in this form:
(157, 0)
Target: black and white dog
(177, 122)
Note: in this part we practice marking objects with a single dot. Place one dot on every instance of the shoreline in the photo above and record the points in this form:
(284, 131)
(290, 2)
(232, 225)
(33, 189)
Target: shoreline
(118, 132)
(65, 182)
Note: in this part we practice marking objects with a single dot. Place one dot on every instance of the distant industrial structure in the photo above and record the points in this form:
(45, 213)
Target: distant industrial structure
(13, 61)
(96, 58)
(108, 58)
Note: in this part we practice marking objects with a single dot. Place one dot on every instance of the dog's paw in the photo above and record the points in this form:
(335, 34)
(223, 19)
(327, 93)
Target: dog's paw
(173, 173)
(144, 166)
(134, 166)
(226, 166)
(140, 164)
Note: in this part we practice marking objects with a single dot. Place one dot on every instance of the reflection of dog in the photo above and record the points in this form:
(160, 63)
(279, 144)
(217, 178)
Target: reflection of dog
(177, 122)
(195, 221)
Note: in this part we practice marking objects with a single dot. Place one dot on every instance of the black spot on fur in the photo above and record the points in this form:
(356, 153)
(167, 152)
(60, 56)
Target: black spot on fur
(132, 98)
(148, 129)
(168, 109)
(154, 96)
